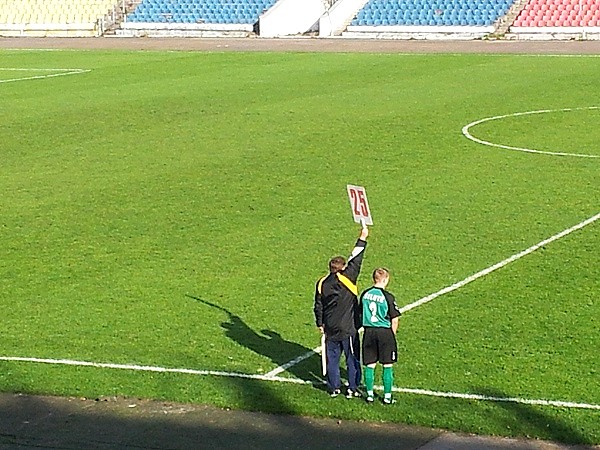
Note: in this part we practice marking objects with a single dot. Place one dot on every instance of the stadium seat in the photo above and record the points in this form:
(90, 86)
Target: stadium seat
(432, 12)
(208, 11)
(559, 13)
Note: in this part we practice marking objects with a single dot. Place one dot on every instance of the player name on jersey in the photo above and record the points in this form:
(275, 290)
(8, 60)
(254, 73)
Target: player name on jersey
(374, 297)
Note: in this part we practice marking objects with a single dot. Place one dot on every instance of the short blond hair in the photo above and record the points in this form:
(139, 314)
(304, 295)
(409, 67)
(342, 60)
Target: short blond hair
(380, 274)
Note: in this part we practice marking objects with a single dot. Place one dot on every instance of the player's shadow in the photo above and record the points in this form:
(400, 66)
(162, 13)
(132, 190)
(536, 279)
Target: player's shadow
(270, 344)
(528, 420)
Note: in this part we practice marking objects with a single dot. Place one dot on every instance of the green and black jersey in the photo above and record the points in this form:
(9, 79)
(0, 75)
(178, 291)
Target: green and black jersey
(378, 308)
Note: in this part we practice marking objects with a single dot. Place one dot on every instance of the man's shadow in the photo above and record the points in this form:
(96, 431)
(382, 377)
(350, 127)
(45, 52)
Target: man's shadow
(528, 420)
(270, 344)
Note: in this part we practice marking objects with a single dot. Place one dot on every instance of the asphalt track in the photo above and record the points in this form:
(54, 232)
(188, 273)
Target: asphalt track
(38, 422)
(308, 44)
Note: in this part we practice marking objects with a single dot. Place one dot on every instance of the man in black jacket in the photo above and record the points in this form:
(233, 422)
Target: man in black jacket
(336, 315)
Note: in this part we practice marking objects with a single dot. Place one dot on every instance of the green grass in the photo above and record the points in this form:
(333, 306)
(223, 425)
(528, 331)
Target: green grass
(141, 192)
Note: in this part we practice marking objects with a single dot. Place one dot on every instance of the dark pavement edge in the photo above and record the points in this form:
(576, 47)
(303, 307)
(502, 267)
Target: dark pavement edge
(44, 422)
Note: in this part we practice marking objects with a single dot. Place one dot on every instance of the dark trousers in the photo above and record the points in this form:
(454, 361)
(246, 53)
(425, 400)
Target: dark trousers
(351, 349)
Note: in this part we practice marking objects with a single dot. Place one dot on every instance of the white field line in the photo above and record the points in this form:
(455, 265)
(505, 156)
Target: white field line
(524, 401)
(291, 363)
(69, 362)
(34, 69)
(499, 265)
(461, 283)
(468, 135)
(57, 73)
(272, 375)
(267, 377)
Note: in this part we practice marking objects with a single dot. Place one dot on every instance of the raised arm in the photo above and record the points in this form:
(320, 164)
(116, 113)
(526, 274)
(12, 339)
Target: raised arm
(355, 259)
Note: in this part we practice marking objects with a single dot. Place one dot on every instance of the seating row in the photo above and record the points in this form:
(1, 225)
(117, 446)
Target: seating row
(52, 5)
(231, 12)
(559, 13)
(431, 12)
(45, 18)
(53, 11)
(217, 3)
(192, 18)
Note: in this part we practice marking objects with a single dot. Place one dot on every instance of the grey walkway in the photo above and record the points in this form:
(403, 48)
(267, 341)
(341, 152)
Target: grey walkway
(30, 422)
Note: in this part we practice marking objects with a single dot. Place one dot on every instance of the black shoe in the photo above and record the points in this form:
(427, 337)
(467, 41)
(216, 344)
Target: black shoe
(335, 393)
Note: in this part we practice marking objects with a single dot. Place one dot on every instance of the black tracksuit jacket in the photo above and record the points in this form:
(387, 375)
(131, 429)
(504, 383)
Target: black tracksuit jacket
(336, 307)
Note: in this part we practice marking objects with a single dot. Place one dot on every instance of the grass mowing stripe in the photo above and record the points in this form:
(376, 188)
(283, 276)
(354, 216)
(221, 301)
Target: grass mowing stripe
(146, 179)
(268, 377)
(499, 265)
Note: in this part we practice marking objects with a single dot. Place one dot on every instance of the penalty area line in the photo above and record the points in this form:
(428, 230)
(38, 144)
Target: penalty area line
(424, 392)
(461, 283)
(292, 363)
(499, 265)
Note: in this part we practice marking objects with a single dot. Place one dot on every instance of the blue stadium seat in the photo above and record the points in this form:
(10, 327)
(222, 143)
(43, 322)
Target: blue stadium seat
(190, 11)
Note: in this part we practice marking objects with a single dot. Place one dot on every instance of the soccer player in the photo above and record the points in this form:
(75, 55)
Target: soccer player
(380, 321)
(336, 314)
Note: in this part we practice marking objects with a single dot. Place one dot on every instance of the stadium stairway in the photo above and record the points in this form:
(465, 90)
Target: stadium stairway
(506, 21)
(291, 17)
(339, 15)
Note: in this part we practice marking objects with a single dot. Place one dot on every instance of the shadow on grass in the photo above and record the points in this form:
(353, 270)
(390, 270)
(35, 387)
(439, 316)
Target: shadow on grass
(531, 420)
(270, 344)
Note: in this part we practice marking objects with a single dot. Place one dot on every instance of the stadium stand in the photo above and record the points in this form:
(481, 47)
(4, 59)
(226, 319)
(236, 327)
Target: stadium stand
(70, 18)
(392, 19)
(432, 12)
(438, 18)
(560, 13)
(558, 19)
(194, 17)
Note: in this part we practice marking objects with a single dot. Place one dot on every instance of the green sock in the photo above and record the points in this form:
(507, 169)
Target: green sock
(369, 379)
(388, 379)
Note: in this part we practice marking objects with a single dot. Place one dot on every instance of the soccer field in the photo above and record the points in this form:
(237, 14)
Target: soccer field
(165, 216)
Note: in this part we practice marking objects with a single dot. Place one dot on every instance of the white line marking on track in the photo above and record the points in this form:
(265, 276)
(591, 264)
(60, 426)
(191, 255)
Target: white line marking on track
(468, 135)
(69, 362)
(499, 265)
(56, 73)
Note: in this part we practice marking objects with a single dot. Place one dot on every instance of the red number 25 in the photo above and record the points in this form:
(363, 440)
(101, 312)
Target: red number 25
(359, 204)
